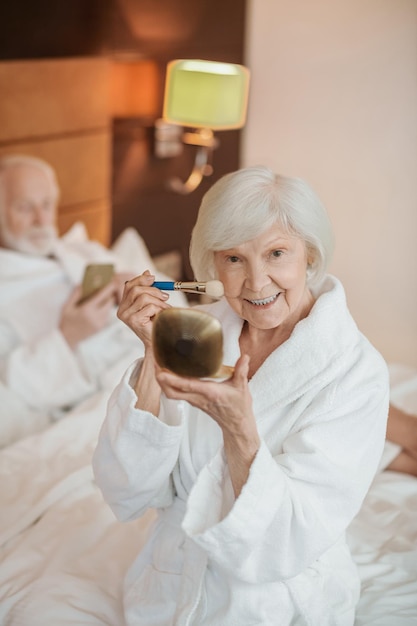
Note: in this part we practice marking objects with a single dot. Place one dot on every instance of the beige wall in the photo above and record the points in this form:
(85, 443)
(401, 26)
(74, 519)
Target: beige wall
(334, 100)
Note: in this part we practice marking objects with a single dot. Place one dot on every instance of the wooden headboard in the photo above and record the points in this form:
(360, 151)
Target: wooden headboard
(58, 110)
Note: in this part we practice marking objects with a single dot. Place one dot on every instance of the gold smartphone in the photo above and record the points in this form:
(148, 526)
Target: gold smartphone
(96, 276)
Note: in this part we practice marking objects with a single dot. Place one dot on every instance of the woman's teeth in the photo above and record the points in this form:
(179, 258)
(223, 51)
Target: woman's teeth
(264, 300)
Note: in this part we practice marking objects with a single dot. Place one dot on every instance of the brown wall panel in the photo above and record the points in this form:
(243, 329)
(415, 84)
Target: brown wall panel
(49, 97)
(82, 163)
(58, 110)
(64, 95)
(95, 215)
(51, 28)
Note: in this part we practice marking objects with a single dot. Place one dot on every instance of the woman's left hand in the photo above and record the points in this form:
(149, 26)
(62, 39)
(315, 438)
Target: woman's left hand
(229, 403)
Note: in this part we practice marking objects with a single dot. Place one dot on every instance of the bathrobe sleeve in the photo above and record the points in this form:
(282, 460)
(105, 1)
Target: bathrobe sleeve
(47, 375)
(44, 372)
(36, 363)
(298, 503)
(136, 453)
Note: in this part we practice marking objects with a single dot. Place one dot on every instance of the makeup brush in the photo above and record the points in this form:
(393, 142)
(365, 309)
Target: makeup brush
(212, 288)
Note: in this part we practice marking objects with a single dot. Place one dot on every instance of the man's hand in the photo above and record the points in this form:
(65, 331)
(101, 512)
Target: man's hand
(80, 321)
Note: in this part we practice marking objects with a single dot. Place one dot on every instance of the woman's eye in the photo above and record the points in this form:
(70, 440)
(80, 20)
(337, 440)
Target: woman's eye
(276, 253)
(233, 259)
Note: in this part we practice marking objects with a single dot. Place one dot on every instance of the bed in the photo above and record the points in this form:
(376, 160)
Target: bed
(63, 554)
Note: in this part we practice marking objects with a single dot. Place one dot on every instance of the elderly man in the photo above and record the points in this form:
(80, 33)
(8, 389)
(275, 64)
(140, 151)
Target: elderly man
(54, 352)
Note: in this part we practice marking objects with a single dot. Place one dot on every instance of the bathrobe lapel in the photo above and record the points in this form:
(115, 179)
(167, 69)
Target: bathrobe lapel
(311, 356)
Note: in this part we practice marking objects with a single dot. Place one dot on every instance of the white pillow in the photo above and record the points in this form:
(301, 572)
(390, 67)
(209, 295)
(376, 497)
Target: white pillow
(76, 233)
(134, 256)
(132, 252)
(130, 249)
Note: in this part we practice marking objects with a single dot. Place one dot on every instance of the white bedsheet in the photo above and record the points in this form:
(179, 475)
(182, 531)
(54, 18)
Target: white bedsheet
(63, 555)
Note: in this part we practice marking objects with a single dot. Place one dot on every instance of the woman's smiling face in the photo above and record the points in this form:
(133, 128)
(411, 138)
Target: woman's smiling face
(265, 278)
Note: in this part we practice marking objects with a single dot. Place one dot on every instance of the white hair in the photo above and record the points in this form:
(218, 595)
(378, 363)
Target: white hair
(243, 204)
(13, 160)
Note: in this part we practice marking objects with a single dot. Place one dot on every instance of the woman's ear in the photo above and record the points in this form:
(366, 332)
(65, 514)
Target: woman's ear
(310, 263)
(311, 257)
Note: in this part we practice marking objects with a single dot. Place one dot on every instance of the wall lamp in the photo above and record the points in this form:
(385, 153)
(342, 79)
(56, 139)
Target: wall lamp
(203, 96)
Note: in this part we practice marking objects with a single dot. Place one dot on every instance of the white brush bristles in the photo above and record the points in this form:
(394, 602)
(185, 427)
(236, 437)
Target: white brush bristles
(214, 288)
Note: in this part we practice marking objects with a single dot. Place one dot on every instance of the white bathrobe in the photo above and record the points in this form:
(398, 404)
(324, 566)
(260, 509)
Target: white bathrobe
(39, 372)
(276, 555)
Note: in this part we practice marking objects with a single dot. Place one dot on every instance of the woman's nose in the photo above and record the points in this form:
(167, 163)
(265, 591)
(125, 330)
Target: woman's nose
(256, 277)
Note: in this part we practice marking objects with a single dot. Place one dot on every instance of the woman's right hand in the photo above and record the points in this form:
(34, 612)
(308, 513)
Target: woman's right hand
(139, 305)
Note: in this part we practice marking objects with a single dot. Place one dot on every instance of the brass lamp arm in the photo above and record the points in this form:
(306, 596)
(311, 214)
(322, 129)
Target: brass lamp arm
(206, 142)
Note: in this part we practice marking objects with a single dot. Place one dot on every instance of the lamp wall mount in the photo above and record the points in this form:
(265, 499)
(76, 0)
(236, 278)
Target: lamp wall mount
(169, 142)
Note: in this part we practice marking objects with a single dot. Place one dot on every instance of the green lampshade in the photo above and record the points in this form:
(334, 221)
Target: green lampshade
(206, 94)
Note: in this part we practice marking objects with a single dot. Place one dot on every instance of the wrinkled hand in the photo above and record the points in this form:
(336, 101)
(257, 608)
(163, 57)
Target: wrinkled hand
(80, 321)
(140, 304)
(228, 402)
(119, 280)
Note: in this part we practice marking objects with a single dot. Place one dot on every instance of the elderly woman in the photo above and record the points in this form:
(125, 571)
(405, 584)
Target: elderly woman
(256, 478)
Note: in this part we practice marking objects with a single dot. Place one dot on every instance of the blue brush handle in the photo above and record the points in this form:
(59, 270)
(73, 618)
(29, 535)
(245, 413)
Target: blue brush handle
(167, 285)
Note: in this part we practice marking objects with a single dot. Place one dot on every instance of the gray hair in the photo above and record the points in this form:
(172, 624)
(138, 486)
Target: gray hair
(243, 204)
(14, 160)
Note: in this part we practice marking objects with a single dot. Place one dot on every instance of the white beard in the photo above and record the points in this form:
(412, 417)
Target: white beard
(39, 240)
